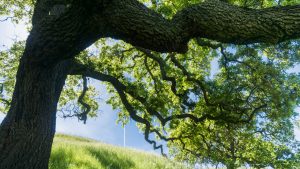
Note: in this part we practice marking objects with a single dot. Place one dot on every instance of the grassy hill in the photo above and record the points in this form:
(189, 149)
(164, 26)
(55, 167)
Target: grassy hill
(71, 152)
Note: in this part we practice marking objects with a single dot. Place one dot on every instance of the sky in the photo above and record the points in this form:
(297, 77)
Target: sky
(104, 127)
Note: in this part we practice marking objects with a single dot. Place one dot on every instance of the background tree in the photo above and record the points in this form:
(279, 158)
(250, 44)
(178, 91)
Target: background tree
(234, 146)
(161, 77)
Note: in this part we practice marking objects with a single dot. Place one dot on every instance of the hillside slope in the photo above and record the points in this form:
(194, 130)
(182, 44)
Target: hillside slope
(71, 152)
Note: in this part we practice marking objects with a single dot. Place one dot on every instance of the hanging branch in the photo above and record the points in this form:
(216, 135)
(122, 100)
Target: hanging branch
(87, 107)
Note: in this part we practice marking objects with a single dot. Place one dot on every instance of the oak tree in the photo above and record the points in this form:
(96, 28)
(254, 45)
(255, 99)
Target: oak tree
(158, 74)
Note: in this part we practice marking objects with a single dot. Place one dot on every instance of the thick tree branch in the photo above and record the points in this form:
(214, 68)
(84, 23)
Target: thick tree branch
(63, 35)
(56, 38)
(131, 21)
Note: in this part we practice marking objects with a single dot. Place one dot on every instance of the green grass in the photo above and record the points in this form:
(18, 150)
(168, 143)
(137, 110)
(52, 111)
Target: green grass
(71, 152)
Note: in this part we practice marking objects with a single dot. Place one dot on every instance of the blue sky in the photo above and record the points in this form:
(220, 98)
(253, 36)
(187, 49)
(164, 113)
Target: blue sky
(103, 128)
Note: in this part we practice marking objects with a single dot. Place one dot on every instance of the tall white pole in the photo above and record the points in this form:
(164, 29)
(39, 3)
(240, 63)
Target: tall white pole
(124, 141)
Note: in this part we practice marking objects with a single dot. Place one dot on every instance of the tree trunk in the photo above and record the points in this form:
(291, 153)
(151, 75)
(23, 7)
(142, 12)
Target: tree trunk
(27, 132)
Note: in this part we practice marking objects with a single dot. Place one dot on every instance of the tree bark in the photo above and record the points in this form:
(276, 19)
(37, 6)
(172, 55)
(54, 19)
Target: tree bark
(132, 22)
(27, 131)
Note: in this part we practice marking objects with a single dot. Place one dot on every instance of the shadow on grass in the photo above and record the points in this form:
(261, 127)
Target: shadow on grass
(65, 159)
(59, 159)
(110, 160)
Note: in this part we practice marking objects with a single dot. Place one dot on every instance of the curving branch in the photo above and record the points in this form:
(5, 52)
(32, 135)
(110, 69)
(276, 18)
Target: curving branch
(192, 79)
(86, 107)
(162, 67)
(134, 116)
(80, 69)
(131, 21)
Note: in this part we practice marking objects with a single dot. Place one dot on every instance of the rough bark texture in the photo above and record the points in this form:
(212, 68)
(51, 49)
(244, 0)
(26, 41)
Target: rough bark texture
(133, 22)
(27, 131)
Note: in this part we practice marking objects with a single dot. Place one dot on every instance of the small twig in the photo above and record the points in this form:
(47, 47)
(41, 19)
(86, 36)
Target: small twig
(5, 101)
(5, 19)
(151, 74)
(1, 88)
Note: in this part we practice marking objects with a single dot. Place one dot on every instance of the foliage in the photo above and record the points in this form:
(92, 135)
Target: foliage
(9, 62)
(242, 112)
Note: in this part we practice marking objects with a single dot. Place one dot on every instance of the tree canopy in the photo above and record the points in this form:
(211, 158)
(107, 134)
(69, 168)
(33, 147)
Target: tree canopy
(212, 78)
